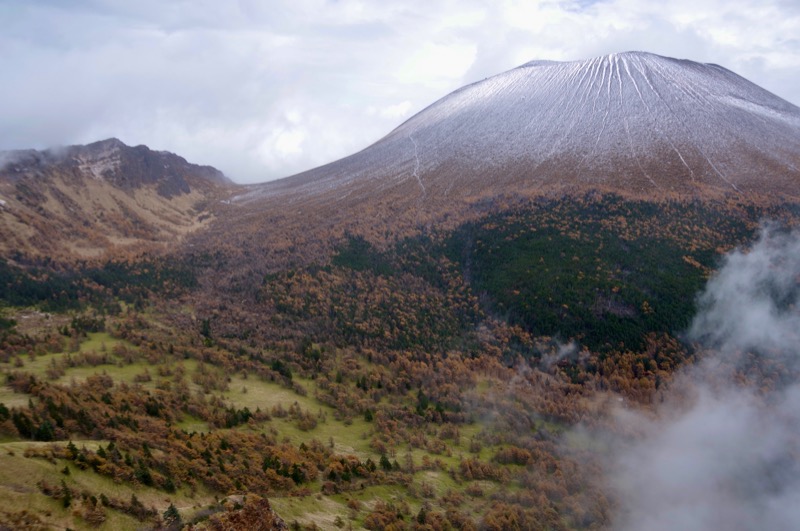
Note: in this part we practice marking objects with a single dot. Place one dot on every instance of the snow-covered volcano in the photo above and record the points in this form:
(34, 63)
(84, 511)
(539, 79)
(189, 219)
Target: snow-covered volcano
(633, 122)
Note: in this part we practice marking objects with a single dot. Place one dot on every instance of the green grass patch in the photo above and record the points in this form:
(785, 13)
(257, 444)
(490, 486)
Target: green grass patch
(18, 489)
(100, 342)
(191, 424)
(347, 438)
(315, 509)
(12, 399)
(440, 481)
(253, 393)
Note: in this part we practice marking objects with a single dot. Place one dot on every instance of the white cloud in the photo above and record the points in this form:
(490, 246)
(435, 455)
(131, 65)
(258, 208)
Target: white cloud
(722, 453)
(176, 74)
(397, 110)
(290, 142)
(749, 303)
(439, 65)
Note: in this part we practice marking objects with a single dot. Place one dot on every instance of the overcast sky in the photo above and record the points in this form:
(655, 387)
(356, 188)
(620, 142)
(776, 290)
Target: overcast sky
(265, 89)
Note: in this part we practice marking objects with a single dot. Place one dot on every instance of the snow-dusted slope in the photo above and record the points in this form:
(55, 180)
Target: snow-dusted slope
(631, 121)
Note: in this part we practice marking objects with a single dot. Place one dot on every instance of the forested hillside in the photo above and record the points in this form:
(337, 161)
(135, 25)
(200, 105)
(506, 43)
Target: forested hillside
(460, 377)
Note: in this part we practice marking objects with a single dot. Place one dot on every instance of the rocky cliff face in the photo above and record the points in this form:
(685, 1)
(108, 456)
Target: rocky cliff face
(94, 200)
(111, 161)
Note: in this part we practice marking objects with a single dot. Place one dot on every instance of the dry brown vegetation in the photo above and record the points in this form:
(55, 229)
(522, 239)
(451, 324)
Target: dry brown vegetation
(371, 315)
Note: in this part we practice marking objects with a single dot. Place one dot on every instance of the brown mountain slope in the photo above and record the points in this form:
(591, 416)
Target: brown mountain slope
(100, 199)
(633, 124)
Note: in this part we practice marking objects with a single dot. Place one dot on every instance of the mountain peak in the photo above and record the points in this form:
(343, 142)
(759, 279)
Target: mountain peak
(109, 142)
(603, 58)
(632, 54)
(631, 122)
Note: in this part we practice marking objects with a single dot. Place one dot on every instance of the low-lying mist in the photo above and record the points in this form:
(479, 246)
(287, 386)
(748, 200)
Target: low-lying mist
(723, 447)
